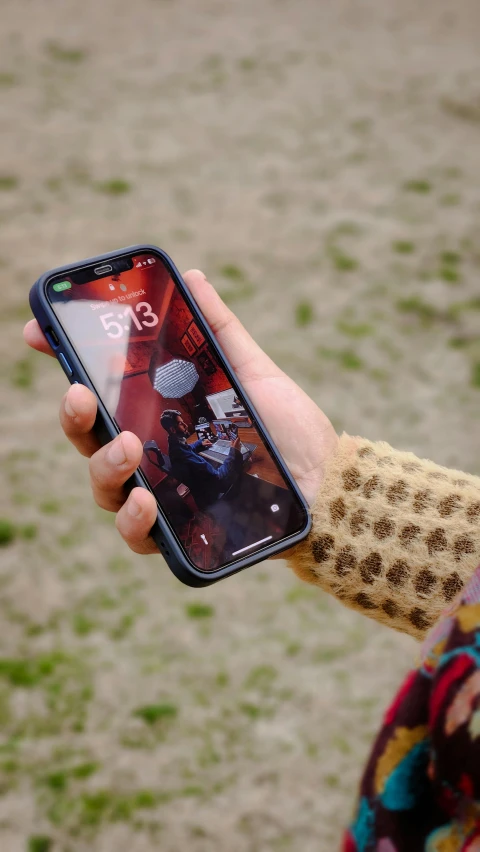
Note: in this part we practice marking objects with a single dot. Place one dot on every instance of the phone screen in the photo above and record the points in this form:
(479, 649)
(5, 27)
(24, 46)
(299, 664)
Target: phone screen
(205, 460)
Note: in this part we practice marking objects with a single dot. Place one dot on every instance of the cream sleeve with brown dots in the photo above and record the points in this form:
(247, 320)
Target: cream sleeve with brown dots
(394, 536)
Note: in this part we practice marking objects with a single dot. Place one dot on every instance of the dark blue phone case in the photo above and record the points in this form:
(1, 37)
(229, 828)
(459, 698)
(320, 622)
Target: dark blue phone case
(106, 429)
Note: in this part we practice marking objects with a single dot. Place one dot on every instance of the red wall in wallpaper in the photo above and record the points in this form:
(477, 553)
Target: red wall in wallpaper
(179, 320)
(139, 411)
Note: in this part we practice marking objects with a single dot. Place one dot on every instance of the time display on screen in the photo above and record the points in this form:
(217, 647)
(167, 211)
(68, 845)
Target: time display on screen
(141, 317)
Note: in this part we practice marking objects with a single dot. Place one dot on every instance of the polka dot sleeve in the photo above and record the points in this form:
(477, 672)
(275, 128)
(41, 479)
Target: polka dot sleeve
(394, 536)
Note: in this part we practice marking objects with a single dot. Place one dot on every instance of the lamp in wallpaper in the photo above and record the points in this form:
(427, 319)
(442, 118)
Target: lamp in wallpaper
(175, 379)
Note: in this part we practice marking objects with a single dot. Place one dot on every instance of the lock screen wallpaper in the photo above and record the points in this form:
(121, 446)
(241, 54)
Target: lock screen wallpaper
(204, 459)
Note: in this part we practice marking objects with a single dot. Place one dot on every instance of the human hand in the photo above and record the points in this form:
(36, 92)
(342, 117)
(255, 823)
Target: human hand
(206, 443)
(236, 443)
(302, 433)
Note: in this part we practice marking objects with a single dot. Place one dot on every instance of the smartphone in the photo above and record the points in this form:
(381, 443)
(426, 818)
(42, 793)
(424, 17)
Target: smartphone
(233, 431)
(125, 325)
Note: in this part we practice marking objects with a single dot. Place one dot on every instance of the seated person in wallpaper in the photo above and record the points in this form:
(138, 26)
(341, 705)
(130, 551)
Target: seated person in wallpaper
(206, 482)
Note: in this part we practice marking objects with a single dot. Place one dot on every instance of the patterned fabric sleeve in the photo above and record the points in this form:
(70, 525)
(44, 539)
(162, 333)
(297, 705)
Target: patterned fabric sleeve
(394, 536)
(420, 790)
(454, 725)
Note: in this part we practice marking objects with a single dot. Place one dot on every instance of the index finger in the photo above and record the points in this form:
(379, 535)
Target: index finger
(245, 356)
(34, 336)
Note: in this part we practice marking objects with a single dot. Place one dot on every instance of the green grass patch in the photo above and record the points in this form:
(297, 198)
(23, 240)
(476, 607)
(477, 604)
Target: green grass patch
(153, 713)
(28, 673)
(247, 63)
(355, 330)
(261, 677)
(91, 810)
(254, 711)
(418, 185)
(8, 182)
(82, 624)
(50, 507)
(342, 261)
(39, 843)
(7, 532)
(304, 314)
(199, 610)
(8, 79)
(416, 306)
(125, 624)
(61, 53)
(475, 378)
(66, 685)
(459, 342)
(56, 781)
(328, 655)
(449, 274)
(240, 286)
(233, 273)
(451, 199)
(361, 125)
(350, 360)
(346, 358)
(84, 770)
(300, 592)
(456, 309)
(28, 531)
(450, 258)
(23, 374)
(222, 679)
(403, 247)
(114, 186)
(292, 649)
(59, 780)
(342, 745)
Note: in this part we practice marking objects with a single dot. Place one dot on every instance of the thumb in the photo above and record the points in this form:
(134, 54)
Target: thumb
(247, 359)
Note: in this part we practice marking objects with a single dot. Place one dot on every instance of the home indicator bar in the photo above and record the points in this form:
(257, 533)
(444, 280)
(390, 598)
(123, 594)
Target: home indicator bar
(249, 546)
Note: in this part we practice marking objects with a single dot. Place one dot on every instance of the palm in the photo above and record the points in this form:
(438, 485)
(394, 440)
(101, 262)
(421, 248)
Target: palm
(300, 430)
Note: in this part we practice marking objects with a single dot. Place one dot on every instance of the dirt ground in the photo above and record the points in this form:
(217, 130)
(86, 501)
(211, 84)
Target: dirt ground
(320, 162)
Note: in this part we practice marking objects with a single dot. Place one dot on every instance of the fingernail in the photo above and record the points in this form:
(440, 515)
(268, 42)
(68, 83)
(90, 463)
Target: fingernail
(133, 508)
(69, 410)
(199, 272)
(116, 454)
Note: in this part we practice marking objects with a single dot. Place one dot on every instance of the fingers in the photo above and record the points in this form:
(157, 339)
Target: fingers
(135, 520)
(245, 356)
(34, 336)
(111, 466)
(77, 416)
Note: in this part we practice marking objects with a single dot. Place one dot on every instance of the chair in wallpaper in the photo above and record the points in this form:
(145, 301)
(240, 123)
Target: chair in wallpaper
(162, 461)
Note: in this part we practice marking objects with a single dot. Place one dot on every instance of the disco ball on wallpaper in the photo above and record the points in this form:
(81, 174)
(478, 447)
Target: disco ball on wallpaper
(175, 379)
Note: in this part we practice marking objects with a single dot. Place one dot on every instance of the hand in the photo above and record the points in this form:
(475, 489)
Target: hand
(302, 433)
(206, 443)
(236, 443)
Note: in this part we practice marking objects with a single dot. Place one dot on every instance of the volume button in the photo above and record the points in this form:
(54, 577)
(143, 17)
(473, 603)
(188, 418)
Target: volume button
(65, 365)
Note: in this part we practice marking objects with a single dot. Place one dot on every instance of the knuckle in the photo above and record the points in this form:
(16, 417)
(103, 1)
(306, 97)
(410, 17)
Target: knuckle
(106, 501)
(100, 475)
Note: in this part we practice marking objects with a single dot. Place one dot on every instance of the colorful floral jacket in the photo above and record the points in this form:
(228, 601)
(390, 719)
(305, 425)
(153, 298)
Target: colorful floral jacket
(421, 786)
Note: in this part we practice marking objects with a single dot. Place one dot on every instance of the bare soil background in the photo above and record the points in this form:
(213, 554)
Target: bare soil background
(320, 162)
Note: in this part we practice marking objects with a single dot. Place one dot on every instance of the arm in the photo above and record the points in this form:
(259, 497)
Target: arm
(394, 536)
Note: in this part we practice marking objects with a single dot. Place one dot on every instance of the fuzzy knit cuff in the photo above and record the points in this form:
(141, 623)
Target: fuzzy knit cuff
(394, 536)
